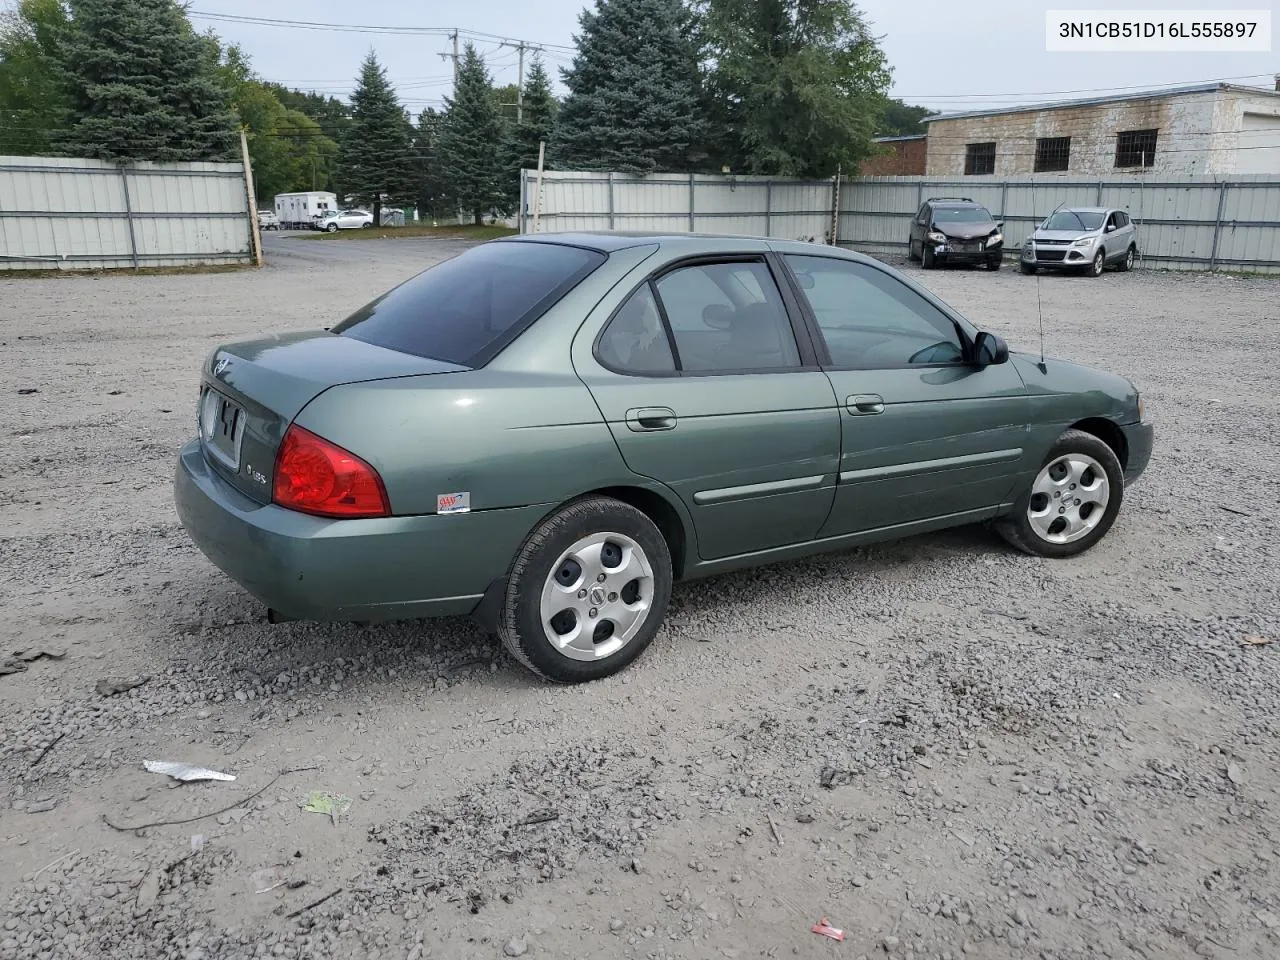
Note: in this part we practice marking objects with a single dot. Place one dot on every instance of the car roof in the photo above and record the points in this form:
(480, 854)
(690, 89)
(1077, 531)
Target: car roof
(1087, 209)
(687, 243)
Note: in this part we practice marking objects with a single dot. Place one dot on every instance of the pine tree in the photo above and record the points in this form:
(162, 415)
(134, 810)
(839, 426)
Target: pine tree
(426, 151)
(142, 84)
(633, 100)
(538, 118)
(376, 157)
(471, 141)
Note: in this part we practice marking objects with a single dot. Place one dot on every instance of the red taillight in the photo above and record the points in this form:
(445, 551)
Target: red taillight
(319, 477)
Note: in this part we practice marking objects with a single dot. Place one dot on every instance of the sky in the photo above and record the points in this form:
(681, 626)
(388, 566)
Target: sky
(945, 54)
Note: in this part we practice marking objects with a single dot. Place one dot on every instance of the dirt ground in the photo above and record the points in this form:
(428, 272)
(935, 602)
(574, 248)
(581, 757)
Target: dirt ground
(945, 748)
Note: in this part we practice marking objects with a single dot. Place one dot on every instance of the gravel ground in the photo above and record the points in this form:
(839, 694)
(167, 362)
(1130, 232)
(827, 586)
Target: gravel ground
(946, 748)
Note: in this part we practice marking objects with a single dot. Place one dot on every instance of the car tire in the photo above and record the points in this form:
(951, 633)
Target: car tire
(1098, 264)
(1130, 256)
(1077, 462)
(547, 607)
(331, 228)
(993, 264)
(1027, 268)
(927, 260)
(911, 250)
(365, 226)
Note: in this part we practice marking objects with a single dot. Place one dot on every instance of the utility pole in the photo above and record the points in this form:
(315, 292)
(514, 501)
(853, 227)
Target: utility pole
(520, 47)
(454, 57)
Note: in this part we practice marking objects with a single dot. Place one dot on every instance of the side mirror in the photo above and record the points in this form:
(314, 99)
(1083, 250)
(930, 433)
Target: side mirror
(999, 224)
(1110, 227)
(989, 348)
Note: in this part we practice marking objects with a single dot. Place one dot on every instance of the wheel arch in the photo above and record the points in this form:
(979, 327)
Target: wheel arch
(664, 513)
(1109, 433)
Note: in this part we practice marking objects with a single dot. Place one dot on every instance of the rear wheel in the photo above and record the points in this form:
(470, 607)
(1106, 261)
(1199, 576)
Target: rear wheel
(1129, 257)
(366, 226)
(911, 250)
(1071, 503)
(587, 591)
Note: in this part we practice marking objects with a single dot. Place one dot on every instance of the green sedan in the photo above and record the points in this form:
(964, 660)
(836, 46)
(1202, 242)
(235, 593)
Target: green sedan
(546, 431)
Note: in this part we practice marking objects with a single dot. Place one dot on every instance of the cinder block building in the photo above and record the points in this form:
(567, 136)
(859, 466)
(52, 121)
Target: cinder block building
(1212, 129)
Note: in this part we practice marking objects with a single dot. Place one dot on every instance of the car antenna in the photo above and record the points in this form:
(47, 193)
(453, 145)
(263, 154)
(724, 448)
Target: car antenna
(1040, 306)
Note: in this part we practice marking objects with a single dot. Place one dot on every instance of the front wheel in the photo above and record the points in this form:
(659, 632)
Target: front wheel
(1027, 268)
(927, 259)
(1099, 263)
(993, 264)
(331, 228)
(587, 591)
(1071, 503)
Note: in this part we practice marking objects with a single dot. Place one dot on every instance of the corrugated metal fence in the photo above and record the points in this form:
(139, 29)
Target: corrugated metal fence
(72, 214)
(1195, 223)
(678, 202)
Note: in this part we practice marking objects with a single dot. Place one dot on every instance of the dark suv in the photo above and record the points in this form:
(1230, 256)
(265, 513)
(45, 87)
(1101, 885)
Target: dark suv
(955, 230)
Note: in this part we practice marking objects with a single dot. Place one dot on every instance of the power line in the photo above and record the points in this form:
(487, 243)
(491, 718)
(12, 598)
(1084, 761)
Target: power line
(361, 28)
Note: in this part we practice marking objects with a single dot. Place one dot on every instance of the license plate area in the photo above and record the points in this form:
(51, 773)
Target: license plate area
(222, 423)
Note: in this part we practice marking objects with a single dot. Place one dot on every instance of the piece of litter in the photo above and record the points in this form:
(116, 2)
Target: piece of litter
(109, 687)
(332, 805)
(184, 771)
(1234, 773)
(1255, 641)
(825, 929)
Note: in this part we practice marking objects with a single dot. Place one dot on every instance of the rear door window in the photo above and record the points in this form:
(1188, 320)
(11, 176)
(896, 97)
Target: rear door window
(466, 310)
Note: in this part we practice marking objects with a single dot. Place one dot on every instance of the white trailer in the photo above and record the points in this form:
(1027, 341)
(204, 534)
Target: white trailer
(296, 210)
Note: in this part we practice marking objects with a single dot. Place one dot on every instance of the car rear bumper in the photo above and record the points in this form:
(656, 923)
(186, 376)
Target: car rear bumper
(1139, 439)
(312, 568)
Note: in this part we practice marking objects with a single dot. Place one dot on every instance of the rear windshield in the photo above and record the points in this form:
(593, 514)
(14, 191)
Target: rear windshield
(960, 215)
(1074, 220)
(467, 309)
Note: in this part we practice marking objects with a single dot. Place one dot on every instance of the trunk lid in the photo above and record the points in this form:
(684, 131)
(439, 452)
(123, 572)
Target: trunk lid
(251, 391)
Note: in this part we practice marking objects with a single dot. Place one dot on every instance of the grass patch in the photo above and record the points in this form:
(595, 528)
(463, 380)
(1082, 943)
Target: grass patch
(99, 272)
(416, 230)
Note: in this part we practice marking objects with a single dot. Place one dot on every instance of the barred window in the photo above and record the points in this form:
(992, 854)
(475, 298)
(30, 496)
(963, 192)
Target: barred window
(979, 158)
(1053, 154)
(1136, 148)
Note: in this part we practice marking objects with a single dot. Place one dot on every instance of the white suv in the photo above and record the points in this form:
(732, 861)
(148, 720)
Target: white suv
(334, 220)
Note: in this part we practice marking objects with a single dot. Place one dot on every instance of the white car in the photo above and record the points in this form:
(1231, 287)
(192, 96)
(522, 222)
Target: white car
(332, 221)
(267, 220)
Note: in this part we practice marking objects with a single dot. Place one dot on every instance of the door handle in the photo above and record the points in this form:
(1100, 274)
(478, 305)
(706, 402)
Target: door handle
(864, 403)
(650, 419)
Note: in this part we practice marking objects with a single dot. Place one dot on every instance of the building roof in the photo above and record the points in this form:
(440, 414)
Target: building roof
(1110, 98)
(913, 136)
